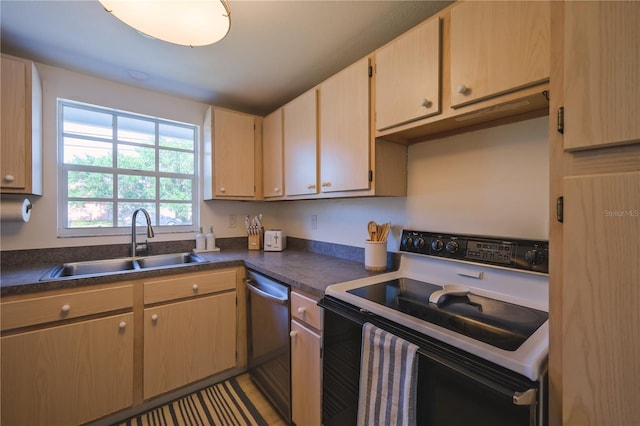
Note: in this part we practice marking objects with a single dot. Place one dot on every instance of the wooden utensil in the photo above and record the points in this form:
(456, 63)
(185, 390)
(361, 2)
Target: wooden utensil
(384, 233)
(372, 227)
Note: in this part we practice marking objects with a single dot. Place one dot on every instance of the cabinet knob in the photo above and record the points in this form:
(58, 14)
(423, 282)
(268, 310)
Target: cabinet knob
(293, 333)
(462, 89)
(326, 184)
(154, 317)
(302, 310)
(9, 178)
(223, 189)
(195, 287)
(311, 186)
(65, 308)
(122, 325)
(276, 190)
(426, 103)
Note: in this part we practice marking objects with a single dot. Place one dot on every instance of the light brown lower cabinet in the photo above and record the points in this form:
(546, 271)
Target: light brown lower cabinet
(68, 374)
(306, 360)
(188, 341)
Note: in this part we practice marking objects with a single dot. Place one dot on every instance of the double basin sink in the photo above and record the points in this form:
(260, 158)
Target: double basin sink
(92, 268)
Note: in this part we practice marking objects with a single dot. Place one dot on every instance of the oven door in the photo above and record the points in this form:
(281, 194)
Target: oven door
(454, 387)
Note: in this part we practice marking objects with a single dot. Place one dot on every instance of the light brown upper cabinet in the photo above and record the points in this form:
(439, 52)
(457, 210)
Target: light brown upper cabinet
(272, 155)
(344, 129)
(602, 74)
(408, 76)
(497, 47)
(301, 145)
(232, 165)
(21, 122)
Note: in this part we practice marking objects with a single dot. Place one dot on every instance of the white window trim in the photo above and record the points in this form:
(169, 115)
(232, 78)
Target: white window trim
(62, 169)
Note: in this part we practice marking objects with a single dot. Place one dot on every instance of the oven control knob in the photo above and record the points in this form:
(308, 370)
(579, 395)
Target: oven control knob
(534, 257)
(419, 243)
(452, 247)
(437, 245)
(408, 242)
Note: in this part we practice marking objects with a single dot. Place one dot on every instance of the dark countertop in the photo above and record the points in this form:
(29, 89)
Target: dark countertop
(307, 271)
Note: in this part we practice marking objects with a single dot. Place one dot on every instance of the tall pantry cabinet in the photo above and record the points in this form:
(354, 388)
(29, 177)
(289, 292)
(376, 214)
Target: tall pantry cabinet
(595, 188)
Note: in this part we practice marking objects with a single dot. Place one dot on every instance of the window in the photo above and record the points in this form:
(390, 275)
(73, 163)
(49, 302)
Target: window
(113, 162)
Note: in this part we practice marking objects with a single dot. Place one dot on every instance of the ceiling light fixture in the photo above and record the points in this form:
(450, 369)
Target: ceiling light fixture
(189, 23)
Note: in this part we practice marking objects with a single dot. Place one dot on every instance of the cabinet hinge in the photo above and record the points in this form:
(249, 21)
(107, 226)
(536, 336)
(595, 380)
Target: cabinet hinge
(370, 71)
(561, 120)
(370, 175)
(560, 209)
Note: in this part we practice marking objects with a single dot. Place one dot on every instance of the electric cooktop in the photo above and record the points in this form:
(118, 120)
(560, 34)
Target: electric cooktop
(501, 324)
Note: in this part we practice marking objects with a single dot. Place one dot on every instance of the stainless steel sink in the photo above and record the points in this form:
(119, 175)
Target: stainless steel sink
(162, 260)
(115, 266)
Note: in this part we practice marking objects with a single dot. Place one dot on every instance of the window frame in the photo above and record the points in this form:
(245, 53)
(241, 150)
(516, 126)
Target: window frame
(63, 170)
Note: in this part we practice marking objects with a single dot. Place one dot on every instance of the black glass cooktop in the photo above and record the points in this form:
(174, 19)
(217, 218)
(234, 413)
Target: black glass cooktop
(500, 324)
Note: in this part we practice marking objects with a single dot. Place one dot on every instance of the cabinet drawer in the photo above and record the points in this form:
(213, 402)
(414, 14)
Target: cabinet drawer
(188, 285)
(23, 313)
(306, 310)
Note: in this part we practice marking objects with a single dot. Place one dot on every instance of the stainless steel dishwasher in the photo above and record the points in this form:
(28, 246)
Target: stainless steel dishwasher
(269, 348)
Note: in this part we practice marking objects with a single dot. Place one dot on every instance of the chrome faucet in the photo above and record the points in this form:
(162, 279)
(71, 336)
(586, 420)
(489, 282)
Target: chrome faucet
(150, 234)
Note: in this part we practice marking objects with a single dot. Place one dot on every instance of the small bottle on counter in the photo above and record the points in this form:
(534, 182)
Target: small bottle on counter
(200, 242)
(210, 239)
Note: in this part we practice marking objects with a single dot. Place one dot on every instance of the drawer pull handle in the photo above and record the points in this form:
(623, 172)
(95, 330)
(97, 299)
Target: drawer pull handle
(302, 310)
(65, 308)
(195, 287)
(293, 333)
(154, 317)
(122, 325)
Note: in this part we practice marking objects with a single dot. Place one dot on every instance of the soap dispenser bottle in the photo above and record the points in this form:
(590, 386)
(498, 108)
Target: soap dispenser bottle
(210, 239)
(200, 243)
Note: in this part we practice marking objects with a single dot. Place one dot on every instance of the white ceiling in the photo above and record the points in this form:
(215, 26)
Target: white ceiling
(274, 51)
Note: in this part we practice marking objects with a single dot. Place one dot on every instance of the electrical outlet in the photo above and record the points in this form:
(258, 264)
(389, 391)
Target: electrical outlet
(314, 221)
(233, 221)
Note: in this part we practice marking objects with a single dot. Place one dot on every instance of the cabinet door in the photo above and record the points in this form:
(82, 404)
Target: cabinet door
(15, 123)
(188, 341)
(68, 375)
(600, 299)
(344, 129)
(497, 47)
(272, 155)
(301, 145)
(408, 76)
(306, 375)
(602, 73)
(234, 154)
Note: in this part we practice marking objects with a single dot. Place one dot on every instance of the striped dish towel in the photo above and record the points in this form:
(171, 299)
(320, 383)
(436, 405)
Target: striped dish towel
(388, 376)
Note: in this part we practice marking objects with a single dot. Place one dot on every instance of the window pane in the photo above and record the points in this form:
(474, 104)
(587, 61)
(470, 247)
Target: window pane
(86, 122)
(136, 130)
(125, 213)
(88, 152)
(176, 162)
(83, 214)
(136, 157)
(90, 185)
(136, 187)
(175, 214)
(177, 136)
(175, 189)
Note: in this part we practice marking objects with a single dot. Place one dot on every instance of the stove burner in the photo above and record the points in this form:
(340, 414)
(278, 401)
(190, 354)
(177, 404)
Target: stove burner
(500, 324)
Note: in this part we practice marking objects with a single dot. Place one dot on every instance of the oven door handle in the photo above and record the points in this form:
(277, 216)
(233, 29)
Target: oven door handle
(527, 397)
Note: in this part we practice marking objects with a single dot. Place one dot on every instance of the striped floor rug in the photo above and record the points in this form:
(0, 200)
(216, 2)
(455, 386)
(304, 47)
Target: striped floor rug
(224, 403)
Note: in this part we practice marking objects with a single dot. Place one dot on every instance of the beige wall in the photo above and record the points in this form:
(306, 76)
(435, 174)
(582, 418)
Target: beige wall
(492, 181)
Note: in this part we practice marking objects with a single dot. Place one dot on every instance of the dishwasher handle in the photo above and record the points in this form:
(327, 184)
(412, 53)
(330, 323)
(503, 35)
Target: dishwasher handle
(250, 285)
